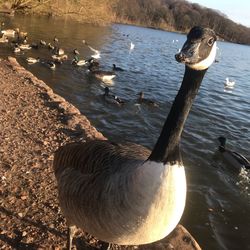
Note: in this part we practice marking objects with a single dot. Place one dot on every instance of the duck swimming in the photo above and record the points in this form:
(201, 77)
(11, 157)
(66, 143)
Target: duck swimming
(113, 99)
(234, 158)
(76, 52)
(32, 60)
(16, 49)
(78, 62)
(25, 46)
(142, 100)
(43, 43)
(4, 39)
(8, 32)
(59, 59)
(49, 64)
(115, 68)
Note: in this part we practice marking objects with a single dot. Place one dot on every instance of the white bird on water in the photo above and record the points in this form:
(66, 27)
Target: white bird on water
(97, 53)
(132, 46)
(229, 84)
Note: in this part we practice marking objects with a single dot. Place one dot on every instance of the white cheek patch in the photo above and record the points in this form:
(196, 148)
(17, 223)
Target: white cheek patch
(204, 64)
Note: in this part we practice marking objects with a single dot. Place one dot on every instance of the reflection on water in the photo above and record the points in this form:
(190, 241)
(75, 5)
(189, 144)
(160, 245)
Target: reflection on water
(218, 200)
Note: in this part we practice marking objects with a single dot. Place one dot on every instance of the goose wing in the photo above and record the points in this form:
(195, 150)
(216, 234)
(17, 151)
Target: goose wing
(98, 156)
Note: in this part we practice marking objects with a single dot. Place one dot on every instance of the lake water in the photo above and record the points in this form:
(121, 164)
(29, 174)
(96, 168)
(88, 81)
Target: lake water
(217, 211)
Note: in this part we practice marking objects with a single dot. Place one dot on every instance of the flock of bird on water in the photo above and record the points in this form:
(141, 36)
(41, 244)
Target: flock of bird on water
(20, 43)
(123, 193)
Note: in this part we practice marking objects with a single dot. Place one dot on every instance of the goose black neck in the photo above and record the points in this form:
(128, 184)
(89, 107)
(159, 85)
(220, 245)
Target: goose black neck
(167, 146)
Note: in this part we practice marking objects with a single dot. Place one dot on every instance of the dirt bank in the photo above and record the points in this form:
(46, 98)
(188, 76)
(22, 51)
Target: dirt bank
(34, 122)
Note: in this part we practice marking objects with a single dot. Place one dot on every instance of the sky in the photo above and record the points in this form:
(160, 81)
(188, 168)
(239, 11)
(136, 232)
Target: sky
(236, 10)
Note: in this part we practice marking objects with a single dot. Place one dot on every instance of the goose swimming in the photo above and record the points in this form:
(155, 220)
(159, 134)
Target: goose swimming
(124, 193)
(234, 158)
(103, 75)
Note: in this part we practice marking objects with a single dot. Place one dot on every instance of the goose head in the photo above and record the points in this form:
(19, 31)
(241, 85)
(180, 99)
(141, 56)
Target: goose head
(222, 141)
(199, 50)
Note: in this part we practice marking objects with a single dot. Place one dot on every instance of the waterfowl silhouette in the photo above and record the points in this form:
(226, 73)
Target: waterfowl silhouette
(115, 68)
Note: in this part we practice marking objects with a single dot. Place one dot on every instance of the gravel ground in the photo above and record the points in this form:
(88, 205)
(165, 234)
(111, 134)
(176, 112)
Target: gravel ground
(34, 122)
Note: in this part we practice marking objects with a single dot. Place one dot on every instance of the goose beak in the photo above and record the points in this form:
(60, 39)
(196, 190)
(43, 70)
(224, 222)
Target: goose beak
(189, 53)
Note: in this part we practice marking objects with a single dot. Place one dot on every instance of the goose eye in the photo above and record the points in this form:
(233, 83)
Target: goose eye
(210, 41)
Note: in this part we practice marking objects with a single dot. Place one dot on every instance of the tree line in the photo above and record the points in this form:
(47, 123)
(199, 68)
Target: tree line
(171, 15)
(179, 15)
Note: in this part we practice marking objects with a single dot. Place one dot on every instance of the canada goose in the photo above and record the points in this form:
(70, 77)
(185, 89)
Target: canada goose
(103, 75)
(78, 62)
(113, 99)
(4, 39)
(32, 60)
(121, 192)
(97, 53)
(115, 68)
(142, 100)
(229, 84)
(235, 159)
